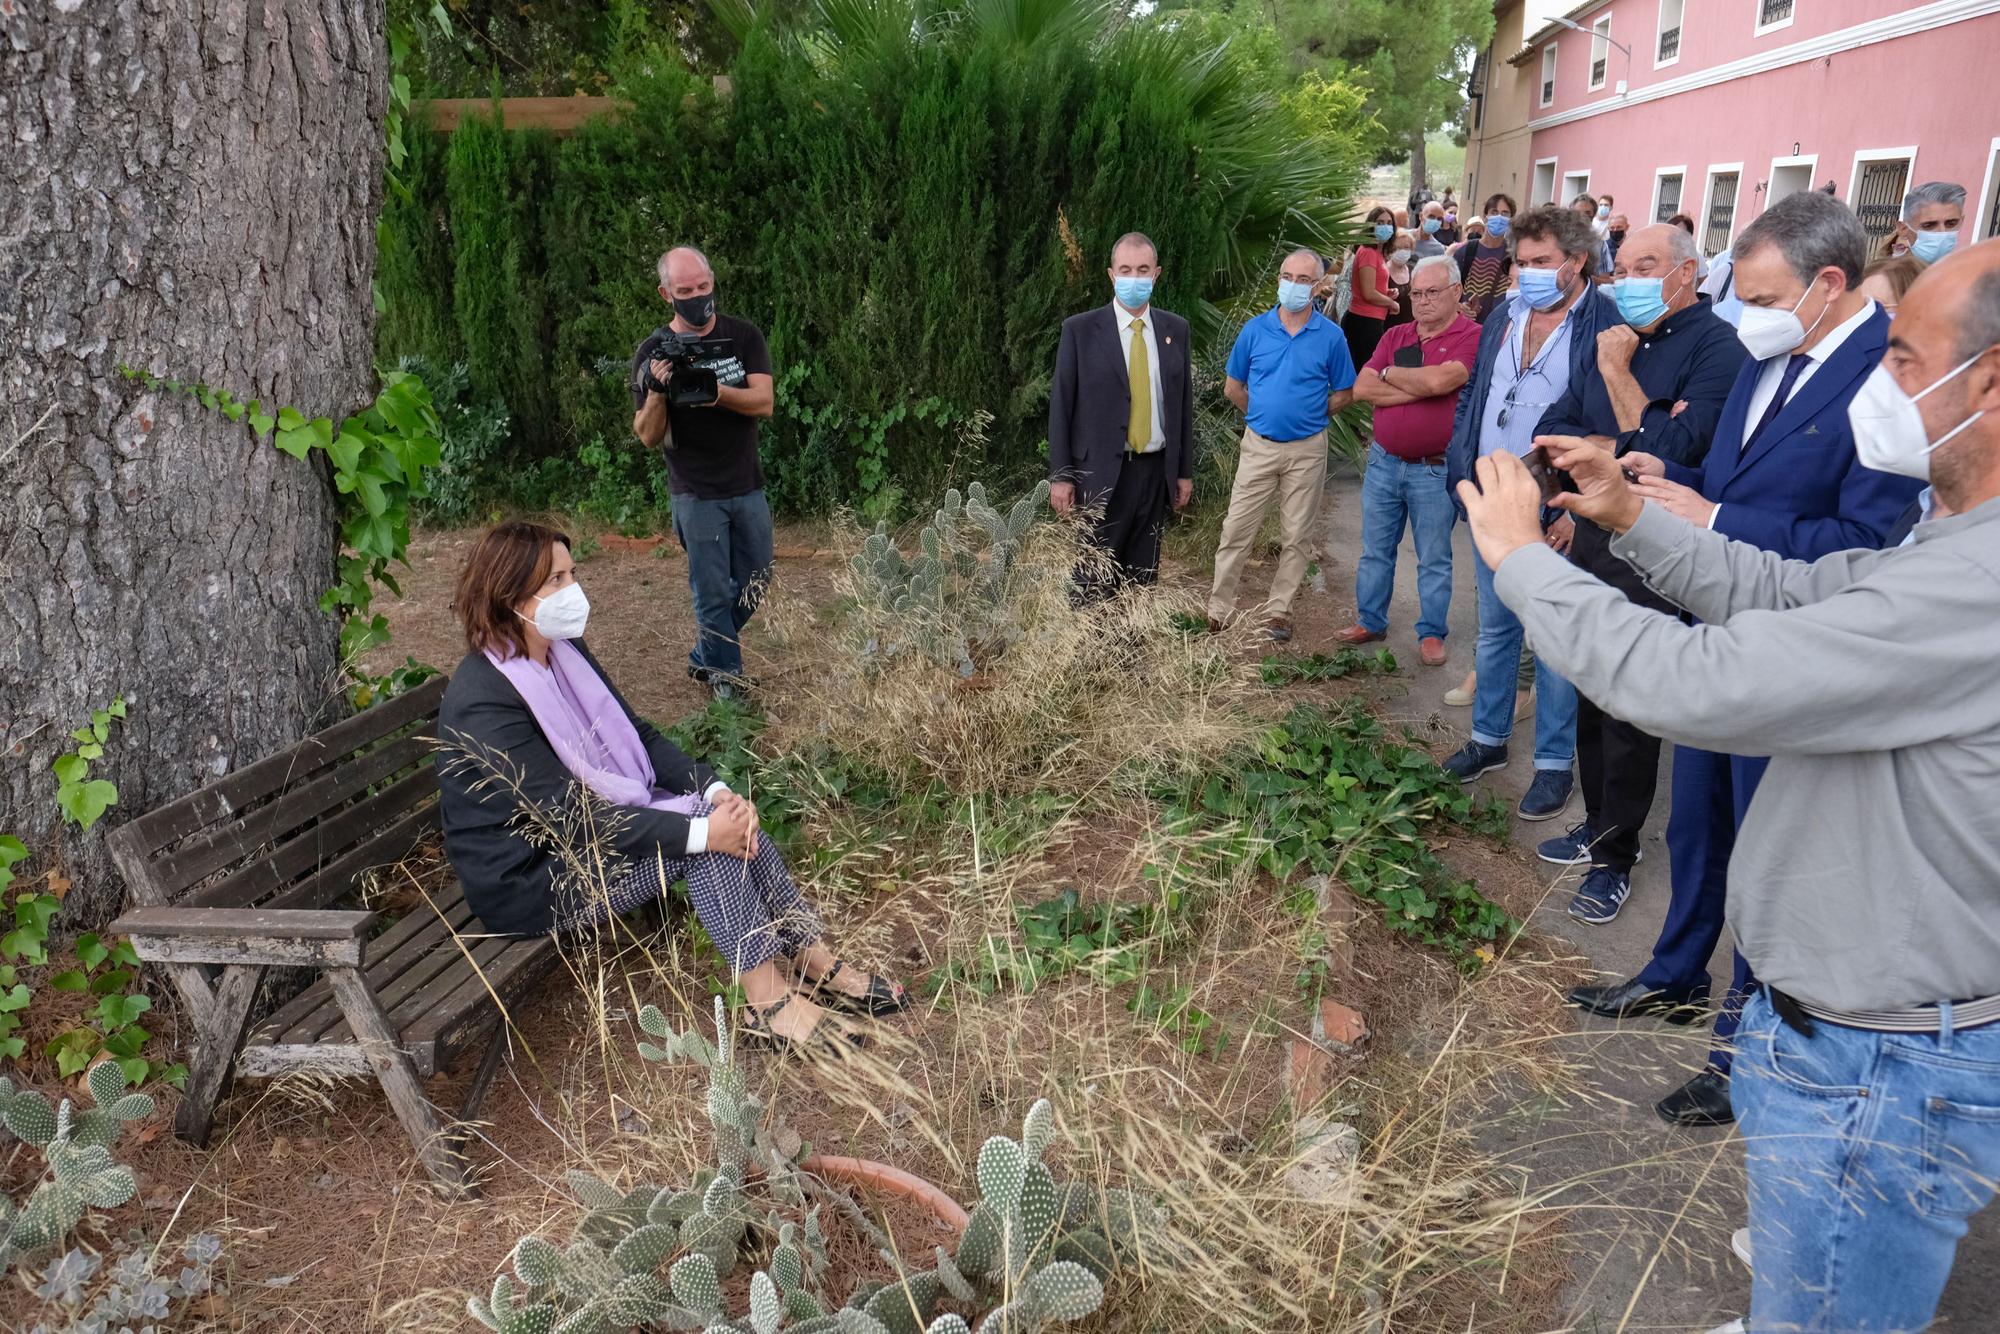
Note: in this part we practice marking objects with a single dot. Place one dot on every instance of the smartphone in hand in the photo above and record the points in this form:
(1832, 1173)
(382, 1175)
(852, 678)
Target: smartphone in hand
(1544, 472)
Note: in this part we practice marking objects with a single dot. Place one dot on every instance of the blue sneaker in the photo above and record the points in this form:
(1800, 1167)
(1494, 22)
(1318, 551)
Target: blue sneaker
(1600, 896)
(1570, 848)
(1547, 795)
(1473, 759)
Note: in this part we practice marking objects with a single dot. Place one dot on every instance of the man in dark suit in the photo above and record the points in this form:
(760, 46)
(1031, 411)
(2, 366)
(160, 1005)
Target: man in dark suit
(1782, 475)
(1121, 414)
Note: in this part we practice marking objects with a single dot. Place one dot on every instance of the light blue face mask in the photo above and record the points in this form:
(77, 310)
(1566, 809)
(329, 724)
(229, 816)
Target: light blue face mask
(1641, 301)
(1930, 247)
(1541, 288)
(1431, 225)
(1294, 297)
(1496, 225)
(1384, 230)
(1133, 293)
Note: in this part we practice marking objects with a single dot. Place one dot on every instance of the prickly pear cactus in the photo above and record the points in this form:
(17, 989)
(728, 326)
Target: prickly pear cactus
(76, 1145)
(953, 591)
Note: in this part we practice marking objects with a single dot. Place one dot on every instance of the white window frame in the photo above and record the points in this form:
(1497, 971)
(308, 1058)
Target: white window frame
(1759, 29)
(1810, 161)
(1660, 27)
(1986, 189)
(1906, 155)
(1716, 169)
(1600, 34)
(1545, 91)
(1534, 175)
(1660, 174)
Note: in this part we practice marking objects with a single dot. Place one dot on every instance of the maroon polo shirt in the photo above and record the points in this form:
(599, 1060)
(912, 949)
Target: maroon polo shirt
(1422, 430)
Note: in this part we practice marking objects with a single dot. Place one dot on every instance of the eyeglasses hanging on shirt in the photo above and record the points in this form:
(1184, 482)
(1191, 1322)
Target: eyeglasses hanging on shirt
(1511, 401)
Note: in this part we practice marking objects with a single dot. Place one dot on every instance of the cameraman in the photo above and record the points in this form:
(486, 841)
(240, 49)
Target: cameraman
(720, 517)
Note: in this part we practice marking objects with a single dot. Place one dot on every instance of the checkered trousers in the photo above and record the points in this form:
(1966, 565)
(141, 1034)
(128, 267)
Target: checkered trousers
(750, 909)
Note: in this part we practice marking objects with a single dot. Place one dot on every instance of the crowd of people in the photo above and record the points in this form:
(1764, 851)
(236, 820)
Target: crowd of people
(1749, 508)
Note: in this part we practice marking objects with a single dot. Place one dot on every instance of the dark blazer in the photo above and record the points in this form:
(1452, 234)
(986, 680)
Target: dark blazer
(1090, 400)
(485, 728)
(1597, 313)
(1800, 491)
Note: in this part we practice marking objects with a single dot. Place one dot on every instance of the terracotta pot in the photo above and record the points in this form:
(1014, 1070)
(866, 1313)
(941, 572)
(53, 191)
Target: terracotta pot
(887, 1180)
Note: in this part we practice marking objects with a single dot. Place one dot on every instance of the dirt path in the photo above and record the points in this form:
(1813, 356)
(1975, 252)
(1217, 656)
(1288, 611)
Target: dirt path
(1657, 1204)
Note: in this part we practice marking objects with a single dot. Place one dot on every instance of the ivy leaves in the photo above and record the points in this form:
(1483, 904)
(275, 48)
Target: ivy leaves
(379, 458)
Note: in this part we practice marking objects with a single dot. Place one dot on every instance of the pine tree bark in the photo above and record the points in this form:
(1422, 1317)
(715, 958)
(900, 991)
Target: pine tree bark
(189, 187)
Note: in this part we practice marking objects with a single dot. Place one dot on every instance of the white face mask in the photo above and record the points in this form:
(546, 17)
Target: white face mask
(1889, 431)
(1403, 256)
(563, 613)
(1769, 332)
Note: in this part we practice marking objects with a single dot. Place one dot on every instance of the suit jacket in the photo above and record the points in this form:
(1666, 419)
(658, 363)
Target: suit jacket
(1799, 490)
(1090, 401)
(486, 729)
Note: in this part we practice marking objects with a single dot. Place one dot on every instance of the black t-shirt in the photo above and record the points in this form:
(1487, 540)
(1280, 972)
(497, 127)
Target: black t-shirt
(712, 453)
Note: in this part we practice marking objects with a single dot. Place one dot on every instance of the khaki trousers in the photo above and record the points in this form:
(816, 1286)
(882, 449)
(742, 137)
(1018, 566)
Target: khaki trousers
(1294, 475)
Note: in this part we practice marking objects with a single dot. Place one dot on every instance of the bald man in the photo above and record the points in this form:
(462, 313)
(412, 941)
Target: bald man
(1663, 373)
(1864, 889)
(720, 516)
(1289, 371)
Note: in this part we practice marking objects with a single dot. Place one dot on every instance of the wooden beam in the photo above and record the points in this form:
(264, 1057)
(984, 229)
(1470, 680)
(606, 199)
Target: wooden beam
(559, 115)
(246, 935)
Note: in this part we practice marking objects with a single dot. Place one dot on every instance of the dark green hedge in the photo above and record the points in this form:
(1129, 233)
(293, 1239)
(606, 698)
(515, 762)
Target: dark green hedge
(909, 221)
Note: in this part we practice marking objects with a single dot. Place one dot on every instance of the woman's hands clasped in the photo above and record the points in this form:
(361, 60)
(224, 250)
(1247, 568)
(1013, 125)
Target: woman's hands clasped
(733, 826)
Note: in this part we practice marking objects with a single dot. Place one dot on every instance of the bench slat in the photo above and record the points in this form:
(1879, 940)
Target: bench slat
(426, 954)
(331, 883)
(228, 795)
(419, 990)
(310, 849)
(461, 1018)
(404, 945)
(296, 810)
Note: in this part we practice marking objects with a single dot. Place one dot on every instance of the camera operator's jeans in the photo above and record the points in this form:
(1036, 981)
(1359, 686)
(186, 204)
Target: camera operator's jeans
(728, 545)
(1869, 1153)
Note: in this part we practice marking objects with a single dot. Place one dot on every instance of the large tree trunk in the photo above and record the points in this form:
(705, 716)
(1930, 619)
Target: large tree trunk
(190, 187)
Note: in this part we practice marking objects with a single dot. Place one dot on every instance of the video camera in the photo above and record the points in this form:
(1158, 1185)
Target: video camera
(691, 385)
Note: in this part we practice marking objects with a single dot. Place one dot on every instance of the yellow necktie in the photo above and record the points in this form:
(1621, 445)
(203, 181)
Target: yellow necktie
(1139, 429)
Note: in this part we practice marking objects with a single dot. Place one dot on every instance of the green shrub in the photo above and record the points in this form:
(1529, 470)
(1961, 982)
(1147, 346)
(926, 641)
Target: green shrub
(909, 211)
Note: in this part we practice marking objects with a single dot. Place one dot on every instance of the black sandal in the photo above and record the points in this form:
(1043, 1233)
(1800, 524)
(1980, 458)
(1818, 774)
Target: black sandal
(755, 1030)
(883, 997)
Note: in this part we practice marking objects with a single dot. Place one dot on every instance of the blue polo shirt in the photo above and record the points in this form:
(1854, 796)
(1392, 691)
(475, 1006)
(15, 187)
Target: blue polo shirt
(1290, 375)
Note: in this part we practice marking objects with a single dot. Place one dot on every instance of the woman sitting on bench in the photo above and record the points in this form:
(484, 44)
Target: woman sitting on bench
(529, 721)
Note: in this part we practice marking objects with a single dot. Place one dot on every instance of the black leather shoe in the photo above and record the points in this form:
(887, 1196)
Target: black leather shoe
(1702, 1101)
(1622, 1000)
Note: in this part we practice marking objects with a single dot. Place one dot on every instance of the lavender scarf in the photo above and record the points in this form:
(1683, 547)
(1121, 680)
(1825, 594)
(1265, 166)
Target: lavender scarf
(587, 728)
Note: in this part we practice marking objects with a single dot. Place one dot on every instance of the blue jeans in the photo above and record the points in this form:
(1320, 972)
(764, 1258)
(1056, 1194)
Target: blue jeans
(728, 545)
(1392, 490)
(1497, 658)
(1868, 1154)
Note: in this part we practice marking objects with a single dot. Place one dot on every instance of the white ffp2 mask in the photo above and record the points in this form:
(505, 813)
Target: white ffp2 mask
(563, 613)
(1888, 429)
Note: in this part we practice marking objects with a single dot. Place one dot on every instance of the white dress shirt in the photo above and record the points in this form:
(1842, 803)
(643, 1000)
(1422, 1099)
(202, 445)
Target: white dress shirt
(1774, 370)
(1124, 318)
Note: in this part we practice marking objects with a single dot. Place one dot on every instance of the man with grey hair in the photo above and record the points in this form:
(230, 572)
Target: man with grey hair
(1865, 884)
(1289, 371)
(710, 438)
(1663, 374)
(1932, 216)
(1781, 475)
(1412, 380)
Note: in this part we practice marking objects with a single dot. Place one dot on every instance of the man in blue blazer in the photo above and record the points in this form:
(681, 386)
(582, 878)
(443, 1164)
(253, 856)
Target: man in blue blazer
(1782, 475)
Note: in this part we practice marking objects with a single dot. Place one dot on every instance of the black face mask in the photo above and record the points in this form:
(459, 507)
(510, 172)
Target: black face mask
(695, 311)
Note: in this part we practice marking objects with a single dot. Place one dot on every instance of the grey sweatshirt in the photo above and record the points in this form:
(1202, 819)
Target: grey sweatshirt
(1867, 872)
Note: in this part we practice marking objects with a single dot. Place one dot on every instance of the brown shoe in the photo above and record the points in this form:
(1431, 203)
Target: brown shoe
(1280, 629)
(1359, 634)
(1431, 649)
(1214, 626)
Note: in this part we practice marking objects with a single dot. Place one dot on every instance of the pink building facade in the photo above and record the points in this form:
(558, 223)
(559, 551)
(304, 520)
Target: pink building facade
(1724, 106)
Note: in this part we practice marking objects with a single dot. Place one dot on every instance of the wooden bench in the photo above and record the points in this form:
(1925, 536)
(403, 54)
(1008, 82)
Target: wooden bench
(265, 868)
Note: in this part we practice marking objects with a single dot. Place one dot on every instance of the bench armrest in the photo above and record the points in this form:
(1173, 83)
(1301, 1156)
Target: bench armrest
(282, 936)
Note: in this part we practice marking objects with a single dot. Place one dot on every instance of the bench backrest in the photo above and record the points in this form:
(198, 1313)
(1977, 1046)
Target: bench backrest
(297, 829)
